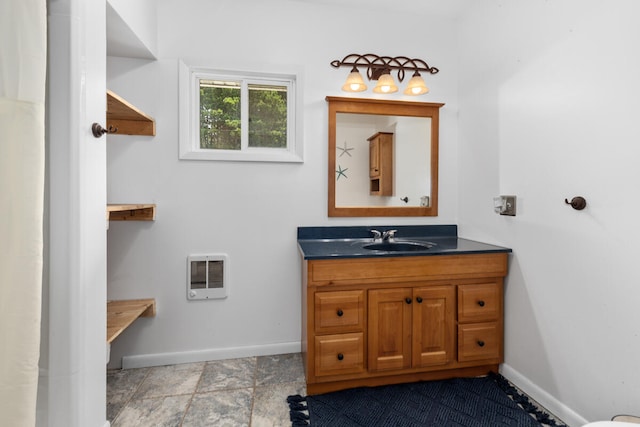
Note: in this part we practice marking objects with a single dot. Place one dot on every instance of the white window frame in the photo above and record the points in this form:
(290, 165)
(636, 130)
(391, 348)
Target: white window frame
(189, 102)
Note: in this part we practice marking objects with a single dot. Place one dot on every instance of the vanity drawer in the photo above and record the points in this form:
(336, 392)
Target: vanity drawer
(339, 311)
(478, 302)
(478, 341)
(339, 354)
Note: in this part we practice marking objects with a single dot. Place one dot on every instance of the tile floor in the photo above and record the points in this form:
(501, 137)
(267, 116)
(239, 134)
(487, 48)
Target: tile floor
(239, 392)
(249, 392)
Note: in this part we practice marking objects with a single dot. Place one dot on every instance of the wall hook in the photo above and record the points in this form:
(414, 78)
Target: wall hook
(98, 130)
(578, 203)
(405, 199)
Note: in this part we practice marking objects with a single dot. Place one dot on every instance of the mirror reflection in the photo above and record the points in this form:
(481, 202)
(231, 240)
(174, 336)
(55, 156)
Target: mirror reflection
(383, 157)
(385, 160)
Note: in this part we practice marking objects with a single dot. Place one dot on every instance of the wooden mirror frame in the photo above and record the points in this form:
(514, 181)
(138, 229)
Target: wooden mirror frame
(387, 108)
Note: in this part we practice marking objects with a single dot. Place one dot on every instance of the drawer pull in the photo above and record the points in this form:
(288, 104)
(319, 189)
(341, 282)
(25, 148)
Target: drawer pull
(339, 313)
(480, 343)
(419, 299)
(407, 300)
(340, 356)
(481, 303)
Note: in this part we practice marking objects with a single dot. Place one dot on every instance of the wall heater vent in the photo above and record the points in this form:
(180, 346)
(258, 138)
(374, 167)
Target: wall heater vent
(207, 276)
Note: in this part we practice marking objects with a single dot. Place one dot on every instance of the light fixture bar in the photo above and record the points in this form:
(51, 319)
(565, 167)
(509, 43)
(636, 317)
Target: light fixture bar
(377, 66)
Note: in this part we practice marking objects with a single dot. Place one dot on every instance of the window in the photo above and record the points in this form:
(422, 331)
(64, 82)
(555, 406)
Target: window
(238, 116)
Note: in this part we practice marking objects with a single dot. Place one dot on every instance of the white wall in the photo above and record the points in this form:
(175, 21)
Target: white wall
(131, 28)
(548, 111)
(248, 210)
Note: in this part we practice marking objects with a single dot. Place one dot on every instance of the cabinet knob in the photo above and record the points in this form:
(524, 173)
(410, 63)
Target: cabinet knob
(481, 303)
(480, 343)
(419, 299)
(340, 356)
(339, 313)
(407, 300)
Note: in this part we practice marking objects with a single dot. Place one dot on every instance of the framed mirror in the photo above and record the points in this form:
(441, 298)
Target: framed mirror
(383, 157)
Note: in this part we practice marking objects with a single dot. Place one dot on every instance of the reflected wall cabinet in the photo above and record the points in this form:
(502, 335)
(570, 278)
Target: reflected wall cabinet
(381, 164)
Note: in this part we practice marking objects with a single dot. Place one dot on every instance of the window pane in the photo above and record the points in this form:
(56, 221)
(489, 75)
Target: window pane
(267, 116)
(219, 114)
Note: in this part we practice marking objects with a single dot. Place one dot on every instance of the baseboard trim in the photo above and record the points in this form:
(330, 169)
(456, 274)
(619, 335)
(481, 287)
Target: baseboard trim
(161, 359)
(557, 408)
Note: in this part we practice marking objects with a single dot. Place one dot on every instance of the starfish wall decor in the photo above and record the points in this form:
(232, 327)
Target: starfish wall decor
(345, 150)
(341, 172)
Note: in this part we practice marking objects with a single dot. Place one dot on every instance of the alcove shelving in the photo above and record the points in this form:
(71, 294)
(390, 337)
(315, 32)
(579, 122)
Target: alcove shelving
(122, 313)
(124, 118)
(131, 212)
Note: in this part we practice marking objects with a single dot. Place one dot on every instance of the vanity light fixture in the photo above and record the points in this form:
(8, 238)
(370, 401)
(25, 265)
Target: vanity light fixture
(416, 85)
(379, 68)
(355, 82)
(385, 83)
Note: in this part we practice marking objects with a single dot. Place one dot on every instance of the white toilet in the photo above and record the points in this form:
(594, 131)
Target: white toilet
(611, 424)
(617, 421)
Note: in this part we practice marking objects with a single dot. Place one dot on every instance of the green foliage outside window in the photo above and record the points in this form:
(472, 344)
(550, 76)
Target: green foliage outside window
(220, 116)
(267, 118)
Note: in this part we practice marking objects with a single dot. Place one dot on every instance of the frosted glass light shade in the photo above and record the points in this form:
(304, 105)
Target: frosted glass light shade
(416, 86)
(355, 82)
(385, 84)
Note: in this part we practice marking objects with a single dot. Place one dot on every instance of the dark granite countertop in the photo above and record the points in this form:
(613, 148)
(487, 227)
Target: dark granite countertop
(349, 242)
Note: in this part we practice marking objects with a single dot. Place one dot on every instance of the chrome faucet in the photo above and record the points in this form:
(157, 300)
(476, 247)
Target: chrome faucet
(388, 235)
(384, 236)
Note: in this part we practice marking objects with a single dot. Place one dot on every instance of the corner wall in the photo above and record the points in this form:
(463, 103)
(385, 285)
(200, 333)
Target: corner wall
(72, 383)
(548, 111)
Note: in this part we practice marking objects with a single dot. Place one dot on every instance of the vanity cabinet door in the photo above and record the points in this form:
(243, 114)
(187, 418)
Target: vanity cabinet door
(390, 329)
(411, 327)
(433, 326)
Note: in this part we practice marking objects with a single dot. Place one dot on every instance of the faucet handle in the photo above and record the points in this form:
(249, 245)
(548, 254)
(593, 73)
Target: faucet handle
(376, 234)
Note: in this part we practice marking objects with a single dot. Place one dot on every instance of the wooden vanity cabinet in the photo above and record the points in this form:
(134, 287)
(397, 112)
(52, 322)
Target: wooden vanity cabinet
(375, 321)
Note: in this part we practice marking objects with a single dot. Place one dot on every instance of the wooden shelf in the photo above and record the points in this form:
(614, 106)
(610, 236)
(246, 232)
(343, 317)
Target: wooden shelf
(121, 314)
(128, 119)
(131, 212)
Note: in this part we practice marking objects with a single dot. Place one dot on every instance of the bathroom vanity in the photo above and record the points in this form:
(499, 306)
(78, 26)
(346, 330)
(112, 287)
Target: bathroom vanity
(422, 305)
